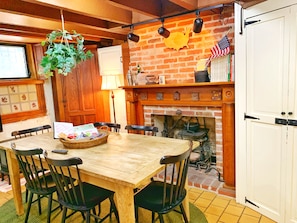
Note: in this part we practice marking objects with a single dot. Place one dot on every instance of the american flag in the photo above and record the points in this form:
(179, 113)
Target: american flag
(222, 48)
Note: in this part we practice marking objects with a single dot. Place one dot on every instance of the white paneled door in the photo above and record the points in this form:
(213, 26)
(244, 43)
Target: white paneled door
(271, 105)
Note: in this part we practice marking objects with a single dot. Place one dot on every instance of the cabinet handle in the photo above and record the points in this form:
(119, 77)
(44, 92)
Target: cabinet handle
(290, 113)
(121, 59)
(292, 122)
(283, 113)
(281, 121)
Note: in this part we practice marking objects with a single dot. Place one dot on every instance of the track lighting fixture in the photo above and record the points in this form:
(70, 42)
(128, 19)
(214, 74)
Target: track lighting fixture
(163, 31)
(198, 22)
(133, 37)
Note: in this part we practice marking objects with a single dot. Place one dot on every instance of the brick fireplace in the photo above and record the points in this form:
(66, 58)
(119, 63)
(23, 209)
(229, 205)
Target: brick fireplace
(214, 100)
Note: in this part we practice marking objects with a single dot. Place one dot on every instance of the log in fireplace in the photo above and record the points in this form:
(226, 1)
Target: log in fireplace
(208, 99)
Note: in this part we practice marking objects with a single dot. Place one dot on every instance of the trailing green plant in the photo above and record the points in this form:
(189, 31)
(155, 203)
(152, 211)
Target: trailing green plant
(64, 51)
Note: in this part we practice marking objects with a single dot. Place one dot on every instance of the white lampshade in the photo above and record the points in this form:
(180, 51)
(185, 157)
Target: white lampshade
(110, 82)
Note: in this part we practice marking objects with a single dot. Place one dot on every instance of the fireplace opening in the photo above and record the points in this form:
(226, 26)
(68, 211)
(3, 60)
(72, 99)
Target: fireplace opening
(201, 129)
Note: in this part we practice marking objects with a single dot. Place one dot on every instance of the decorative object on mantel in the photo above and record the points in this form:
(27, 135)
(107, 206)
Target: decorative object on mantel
(201, 76)
(201, 72)
(162, 79)
(61, 55)
(159, 96)
(151, 79)
(176, 96)
(178, 40)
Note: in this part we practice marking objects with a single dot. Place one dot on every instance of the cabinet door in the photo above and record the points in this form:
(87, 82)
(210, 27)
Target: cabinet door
(110, 60)
(267, 99)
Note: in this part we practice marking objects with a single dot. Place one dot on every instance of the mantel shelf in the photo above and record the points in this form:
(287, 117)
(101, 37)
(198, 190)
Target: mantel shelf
(200, 84)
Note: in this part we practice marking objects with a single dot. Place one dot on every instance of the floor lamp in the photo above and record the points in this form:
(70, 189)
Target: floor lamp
(111, 82)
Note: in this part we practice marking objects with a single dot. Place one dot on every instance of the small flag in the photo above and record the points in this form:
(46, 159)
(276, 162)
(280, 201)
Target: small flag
(222, 48)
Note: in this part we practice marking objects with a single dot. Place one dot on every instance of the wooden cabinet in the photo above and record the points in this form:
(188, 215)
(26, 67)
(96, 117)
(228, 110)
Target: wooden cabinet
(114, 60)
(269, 170)
(110, 60)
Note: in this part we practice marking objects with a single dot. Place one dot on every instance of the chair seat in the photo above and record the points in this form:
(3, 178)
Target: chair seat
(151, 198)
(93, 195)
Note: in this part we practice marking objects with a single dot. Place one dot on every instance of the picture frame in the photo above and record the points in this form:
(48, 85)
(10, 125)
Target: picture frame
(162, 79)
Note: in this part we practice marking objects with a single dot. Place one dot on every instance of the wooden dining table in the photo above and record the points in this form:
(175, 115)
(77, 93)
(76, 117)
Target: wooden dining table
(125, 162)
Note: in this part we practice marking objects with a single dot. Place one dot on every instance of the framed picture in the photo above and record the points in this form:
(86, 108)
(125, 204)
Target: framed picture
(161, 79)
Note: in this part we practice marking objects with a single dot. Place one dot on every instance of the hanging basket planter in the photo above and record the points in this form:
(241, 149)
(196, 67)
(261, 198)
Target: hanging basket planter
(64, 51)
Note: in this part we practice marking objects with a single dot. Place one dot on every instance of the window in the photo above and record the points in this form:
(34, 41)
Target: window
(13, 62)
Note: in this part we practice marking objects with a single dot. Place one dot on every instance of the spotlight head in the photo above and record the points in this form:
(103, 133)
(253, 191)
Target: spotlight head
(164, 32)
(133, 37)
(197, 27)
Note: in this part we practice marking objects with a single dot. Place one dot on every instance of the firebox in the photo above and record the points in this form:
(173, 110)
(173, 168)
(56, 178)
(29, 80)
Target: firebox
(199, 129)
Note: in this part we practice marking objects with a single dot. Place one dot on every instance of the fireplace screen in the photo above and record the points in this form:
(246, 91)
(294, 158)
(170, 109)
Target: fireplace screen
(201, 129)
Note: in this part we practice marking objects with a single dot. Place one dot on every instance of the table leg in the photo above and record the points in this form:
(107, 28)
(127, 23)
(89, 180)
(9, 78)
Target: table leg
(14, 173)
(124, 198)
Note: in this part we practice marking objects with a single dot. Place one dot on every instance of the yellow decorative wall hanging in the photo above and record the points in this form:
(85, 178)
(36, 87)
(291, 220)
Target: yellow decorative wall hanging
(177, 40)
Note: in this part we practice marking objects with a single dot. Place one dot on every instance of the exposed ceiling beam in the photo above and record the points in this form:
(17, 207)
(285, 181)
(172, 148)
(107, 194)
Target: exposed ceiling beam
(26, 21)
(150, 8)
(94, 8)
(187, 4)
(207, 3)
(19, 39)
(154, 8)
(39, 11)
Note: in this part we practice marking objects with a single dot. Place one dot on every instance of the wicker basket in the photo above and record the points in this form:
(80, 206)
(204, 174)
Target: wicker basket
(85, 143)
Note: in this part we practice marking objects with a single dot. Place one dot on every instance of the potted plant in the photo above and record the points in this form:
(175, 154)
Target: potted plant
(64, 51)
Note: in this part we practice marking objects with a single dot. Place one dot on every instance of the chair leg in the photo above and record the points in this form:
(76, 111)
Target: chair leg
(95, 214)
(161, 218)
(136, 214)
(27, 195)
(29, 206)
(88, 216)
(39, 204)
(184, 213)
(114, 209)
(64, 214)
(49, 208)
